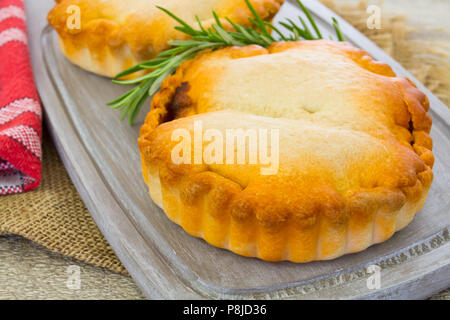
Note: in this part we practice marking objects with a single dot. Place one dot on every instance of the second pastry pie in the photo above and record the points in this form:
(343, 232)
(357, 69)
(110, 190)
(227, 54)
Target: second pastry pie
(114, 35)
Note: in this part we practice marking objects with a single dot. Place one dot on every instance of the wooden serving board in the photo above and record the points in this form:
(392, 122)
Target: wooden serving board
(101, 155)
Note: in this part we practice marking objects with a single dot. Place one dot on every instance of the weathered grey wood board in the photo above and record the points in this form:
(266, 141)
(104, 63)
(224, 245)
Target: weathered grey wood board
(101, 155)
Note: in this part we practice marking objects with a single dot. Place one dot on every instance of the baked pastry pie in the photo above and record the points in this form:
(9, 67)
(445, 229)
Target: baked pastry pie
(354, 150)
(113, 35)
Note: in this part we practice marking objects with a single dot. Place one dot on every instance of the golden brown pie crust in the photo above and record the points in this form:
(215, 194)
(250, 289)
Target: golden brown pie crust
(117, 34)
(355, 169)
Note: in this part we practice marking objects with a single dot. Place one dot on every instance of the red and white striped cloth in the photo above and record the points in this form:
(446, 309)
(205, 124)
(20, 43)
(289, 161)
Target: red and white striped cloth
(20, 109)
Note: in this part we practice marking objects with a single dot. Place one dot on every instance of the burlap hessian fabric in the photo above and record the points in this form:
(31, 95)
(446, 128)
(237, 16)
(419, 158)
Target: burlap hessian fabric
(54, 215)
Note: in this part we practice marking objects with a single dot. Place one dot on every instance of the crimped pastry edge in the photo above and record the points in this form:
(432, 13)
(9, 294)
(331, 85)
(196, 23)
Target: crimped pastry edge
(320, 236)
(315, 238)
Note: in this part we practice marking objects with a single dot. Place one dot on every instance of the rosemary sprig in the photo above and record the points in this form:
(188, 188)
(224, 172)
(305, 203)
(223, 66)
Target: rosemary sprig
(166, 62)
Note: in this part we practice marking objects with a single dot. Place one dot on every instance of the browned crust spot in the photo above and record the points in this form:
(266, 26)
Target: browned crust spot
(180, 102)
